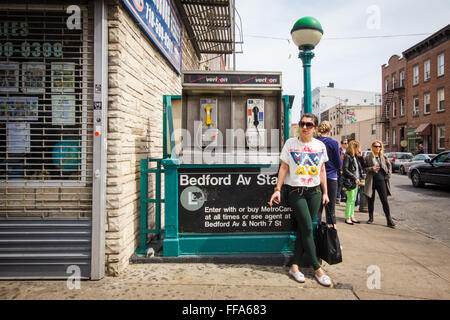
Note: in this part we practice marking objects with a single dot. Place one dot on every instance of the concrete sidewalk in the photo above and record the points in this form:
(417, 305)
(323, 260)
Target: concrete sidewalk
(410, 265)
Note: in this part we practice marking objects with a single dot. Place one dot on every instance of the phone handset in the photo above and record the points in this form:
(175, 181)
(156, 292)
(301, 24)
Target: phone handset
(208, 116)
(255, 116)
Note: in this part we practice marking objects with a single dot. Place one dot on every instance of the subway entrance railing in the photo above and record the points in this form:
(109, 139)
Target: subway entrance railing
(218, 206)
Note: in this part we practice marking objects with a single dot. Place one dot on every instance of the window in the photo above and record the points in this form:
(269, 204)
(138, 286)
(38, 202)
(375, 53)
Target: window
(426, 70)
(426, 103)
(416, 106)
(374, 129)
(442, 158)
(394, 137)
(394, 109)
(441, 137)
(402, 79)
(402, 107)
(387, 137)
(393, 82)
(440, 99)
(415, 75)
(386, 85)
(440, 64)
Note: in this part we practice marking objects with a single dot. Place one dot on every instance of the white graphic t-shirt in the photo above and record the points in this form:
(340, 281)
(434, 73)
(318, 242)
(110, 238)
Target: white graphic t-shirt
(305, 161)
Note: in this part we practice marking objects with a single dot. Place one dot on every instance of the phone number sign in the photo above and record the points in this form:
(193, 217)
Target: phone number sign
(230, 200)
(162, 24)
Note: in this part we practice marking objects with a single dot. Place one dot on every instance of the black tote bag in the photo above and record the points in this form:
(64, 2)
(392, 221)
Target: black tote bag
(328, 247)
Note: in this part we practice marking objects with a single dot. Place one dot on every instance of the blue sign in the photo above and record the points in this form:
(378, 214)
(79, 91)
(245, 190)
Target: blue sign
(159, 20)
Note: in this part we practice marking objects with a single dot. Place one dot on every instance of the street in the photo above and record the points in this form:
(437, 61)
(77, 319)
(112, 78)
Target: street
(424, 210)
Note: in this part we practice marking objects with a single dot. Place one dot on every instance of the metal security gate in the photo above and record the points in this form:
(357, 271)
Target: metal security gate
(46, 137)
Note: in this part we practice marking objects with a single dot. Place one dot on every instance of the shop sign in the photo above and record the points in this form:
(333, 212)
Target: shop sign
(230, 200)
(161, 23)
(235, 79)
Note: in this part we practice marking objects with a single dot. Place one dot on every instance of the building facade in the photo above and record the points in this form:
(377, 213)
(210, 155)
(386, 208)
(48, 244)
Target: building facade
(354, 123)
(81, 103)
(394, 115)
(323, 98)
(417, 112)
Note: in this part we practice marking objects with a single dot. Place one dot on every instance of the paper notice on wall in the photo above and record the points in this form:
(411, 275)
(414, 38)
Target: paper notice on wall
(33, 77)
(18, 137)
(63, 110)
(63, 77)
(19, 108)
(9, 77)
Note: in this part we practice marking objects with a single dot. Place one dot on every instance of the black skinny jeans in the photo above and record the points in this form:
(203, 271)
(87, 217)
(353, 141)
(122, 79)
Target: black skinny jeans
(380, 186)
(330, 206)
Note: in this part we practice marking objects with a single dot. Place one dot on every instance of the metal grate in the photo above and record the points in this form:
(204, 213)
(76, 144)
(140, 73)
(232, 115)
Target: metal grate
(46, 109)
(209, 24)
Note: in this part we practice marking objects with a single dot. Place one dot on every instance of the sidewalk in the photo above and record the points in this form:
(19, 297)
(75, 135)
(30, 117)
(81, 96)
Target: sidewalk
(411, 266)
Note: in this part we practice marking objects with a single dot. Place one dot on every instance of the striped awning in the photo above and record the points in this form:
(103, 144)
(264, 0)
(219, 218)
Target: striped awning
(209, 25)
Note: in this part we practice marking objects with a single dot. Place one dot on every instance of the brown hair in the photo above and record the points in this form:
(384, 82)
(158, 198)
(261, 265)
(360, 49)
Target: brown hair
(353, 147)
(324, 128)
(310, 115)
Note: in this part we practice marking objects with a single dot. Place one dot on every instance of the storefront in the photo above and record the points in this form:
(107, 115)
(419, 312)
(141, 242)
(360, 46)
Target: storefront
(413, 140)
(46, 138)
(81, 102)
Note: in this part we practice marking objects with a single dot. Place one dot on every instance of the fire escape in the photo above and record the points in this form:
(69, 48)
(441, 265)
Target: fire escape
(213, 26)
(389, 97)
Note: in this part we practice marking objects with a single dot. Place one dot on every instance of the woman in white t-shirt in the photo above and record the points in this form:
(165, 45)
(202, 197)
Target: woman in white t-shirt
(303, 171)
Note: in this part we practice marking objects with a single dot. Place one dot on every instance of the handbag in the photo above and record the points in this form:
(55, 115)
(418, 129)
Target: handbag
(349, 184)
(328, 247)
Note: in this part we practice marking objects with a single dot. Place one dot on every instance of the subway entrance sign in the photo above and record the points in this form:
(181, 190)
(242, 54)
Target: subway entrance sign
(230, 200)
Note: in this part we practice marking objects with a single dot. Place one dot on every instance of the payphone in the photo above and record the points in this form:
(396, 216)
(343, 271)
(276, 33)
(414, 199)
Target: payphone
(255, 123)
(208, 116)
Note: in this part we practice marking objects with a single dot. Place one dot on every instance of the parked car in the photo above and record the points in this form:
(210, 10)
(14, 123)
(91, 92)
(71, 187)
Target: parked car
(435, 170)
(398, 158)
(418, 158)
(365, 153)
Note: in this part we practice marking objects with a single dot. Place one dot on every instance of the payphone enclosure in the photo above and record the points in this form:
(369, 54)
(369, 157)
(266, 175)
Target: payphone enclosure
(231, 118)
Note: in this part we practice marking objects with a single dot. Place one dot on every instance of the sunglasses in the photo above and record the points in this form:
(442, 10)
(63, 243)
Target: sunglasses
(308, 125)
(377, 146)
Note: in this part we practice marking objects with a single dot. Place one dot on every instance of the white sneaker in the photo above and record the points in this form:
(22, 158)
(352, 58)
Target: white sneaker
(323, 280)
(298, 276)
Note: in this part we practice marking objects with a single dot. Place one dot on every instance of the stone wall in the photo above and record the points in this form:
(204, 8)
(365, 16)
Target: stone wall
(139, 76)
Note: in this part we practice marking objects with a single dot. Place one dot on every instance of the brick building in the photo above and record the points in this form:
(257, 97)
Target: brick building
(414, 89)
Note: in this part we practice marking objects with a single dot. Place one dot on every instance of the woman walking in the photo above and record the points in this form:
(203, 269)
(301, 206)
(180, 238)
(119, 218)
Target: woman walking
(332, 166)
(352, 172)
(303, 167)
(379, 171)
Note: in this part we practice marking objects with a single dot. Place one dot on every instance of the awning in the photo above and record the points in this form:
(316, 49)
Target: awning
(424, 129)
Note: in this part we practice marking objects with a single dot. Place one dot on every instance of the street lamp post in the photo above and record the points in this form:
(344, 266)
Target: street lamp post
(306, 34)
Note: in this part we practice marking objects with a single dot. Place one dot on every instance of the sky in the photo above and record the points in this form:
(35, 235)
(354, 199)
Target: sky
(348, 63)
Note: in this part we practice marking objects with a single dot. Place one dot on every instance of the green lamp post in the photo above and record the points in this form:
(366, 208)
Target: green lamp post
(306, 34)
